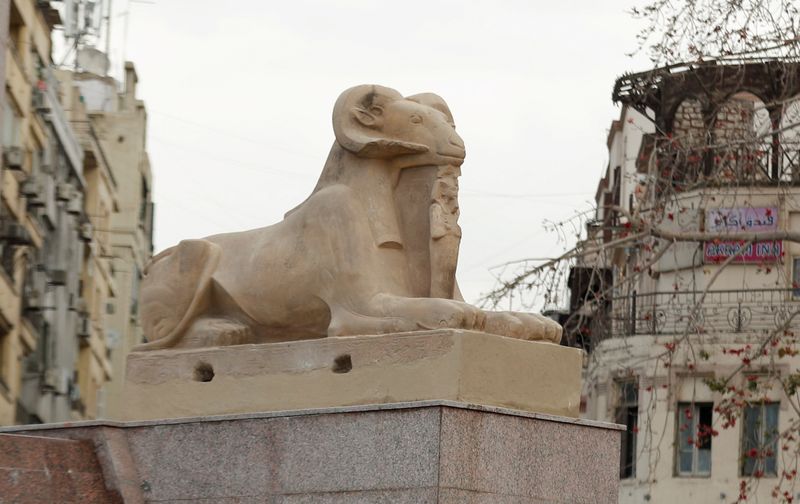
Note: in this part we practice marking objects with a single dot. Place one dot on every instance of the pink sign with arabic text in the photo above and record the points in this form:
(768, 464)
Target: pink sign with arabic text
(741, 219)
(726, 221)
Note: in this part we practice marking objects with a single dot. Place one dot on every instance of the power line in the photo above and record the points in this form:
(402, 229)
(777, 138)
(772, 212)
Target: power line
(258, 167)
(233, 135)
(520, 196)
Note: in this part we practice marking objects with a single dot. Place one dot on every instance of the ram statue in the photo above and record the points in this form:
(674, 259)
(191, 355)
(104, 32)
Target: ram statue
(372, 250)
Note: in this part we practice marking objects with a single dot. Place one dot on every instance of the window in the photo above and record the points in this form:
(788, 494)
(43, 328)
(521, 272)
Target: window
(796, 277)
(3, 369)
(617, 187)
(6, 353)
(7, 255)
(15, 31)
(136, 279)
(627, 413)
(694, 439)
(760, 440)
(12, 125)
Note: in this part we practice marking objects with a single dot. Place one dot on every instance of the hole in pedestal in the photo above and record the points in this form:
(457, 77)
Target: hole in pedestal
(342, 364)
(203, 372)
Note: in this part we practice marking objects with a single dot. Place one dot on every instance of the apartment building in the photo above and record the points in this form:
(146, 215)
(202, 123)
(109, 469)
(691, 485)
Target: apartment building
(687, 301)
(120, 123)
(39, 240)
(73, 173)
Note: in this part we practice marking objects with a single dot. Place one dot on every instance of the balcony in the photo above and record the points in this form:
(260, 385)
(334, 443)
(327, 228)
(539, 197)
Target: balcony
(747, 164)
(753, 311)
(765, 163)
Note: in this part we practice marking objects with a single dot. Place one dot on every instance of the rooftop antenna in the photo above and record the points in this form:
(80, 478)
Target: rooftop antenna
(71, 29)
(83, 26)
(126, 14)
(108, 28)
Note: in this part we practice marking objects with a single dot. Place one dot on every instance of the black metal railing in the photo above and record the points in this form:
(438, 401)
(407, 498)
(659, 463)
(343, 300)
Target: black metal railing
(760, 163)
(763, 162)
(719, 311)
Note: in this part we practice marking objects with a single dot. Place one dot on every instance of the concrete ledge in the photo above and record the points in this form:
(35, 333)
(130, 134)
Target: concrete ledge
(129, 424)
(462, 366)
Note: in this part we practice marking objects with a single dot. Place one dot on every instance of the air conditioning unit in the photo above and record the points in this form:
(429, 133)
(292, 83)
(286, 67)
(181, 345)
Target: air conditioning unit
(33, 190)
(50, 379)
(86, 232)
(13, 158)
(75, 203)
(55, 380)
(74, 392)
(78, 304)
(39, 100)
(14, 233)
(34, 301)
(31, 187)
(64, 191)
(84, 326)
(57, 277)
(75, 400)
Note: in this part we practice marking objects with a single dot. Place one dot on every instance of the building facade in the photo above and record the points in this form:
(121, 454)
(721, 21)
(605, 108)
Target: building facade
(687, 302)
(97, 283)
(68, 174)
(38, 148)
(120, 122)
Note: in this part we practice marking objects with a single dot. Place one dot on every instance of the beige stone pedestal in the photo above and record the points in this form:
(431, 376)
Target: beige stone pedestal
(464, 366)
(471, 422)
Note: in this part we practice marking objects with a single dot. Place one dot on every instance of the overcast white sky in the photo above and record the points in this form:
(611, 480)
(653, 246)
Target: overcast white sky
(240, 95)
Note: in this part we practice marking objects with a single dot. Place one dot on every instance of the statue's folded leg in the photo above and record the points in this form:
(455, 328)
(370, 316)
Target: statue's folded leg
(216, 331)
(385, 313)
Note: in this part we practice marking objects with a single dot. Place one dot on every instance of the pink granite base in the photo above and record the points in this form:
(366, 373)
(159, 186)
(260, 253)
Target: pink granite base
(432, 452)
(40, 469)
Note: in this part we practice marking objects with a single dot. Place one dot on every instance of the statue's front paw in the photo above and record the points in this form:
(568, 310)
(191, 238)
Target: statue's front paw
(526, 326)
(505, 324)
(540, 328)
(440, 313)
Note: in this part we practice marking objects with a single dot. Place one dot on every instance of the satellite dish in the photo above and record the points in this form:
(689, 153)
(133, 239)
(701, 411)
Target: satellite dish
(93, 61)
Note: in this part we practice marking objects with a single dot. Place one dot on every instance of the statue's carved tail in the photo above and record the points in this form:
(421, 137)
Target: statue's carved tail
(176, 287)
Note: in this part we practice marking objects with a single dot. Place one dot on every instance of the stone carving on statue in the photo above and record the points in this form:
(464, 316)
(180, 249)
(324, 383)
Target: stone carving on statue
(372, 250)
(445, 232)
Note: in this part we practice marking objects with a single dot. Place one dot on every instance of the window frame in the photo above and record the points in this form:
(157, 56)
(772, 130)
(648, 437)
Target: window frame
(629, 408)
(5, 390)
(12, 124)
(744, 446)
(795, 277)
(694, 428)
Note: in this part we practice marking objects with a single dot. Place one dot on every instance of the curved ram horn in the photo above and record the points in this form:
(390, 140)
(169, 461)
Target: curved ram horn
(357, 123)
(433, 101)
